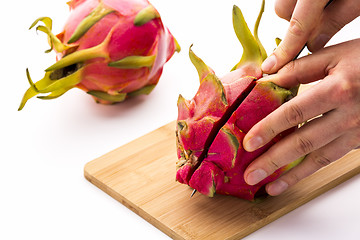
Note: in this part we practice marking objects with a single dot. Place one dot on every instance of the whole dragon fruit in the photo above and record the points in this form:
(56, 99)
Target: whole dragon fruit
(211, 127)
(112, 49)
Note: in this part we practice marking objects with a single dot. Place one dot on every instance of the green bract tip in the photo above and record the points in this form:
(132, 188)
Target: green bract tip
(96, 15)
(134, 62)
(114, 98)
(80, 57)
(146, 15)
(177, 45)
(251, 50)
(142, 91)
(53, 40)
(202, 69)
(54, 83)
(256, 28)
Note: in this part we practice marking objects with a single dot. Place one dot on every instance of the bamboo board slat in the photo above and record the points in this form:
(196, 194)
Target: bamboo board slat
(141, 175)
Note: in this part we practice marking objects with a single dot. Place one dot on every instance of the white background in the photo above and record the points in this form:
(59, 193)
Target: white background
(43, 194)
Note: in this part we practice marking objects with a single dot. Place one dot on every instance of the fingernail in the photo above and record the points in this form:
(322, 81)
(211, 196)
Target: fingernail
(277, 187)
(319, 42)
(269, 63)
(255, 176)
(253, 143)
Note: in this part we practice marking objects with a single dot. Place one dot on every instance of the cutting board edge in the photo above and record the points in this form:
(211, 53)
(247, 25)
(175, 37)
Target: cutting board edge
(93, 168)
(256, 226)
(283, 211)
(169, 125)
(130, 205)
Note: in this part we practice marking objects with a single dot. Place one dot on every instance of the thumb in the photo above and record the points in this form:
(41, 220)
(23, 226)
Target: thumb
(306, 16)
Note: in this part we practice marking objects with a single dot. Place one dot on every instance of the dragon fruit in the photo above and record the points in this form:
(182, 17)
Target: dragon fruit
(211, 127)
(111, 49)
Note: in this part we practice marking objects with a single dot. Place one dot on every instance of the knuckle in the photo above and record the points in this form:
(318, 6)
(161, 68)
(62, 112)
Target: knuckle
(354, 122)
(321, 160)
(303, 146)
(357, 124)
(272, 163)
(282, 51)
(292, 178)
(293, 114)
(272, 166)
(296, 28)
(354, 141)
(289, 67)
(347, 91)
(270, 132)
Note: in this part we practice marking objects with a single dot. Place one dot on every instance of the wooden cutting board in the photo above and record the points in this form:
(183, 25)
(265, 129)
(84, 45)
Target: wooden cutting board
(141, 175)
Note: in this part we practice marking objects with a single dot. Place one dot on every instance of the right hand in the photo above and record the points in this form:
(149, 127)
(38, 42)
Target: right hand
(310, 23)
(331, 109)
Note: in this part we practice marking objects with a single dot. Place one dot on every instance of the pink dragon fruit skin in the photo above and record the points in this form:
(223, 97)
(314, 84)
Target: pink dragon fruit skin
(200, 118)
(112, 49)
(211, 157)
(226, 151)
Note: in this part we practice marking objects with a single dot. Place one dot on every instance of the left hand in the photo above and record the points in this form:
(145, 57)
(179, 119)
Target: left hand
(323, 140)
(311, 22)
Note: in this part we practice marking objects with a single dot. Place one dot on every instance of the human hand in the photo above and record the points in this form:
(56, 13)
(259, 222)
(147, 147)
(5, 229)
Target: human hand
(324, 139)
(311, 24)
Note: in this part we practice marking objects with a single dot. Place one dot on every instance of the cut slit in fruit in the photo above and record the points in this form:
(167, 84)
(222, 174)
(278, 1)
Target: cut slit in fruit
(219, 124)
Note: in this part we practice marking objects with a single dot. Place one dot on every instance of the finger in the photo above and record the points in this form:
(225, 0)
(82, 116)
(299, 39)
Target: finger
(309, 138)
(304, 70)
(285, 8)
(313, 162)
(292, 113)
(335, 17)
(306, 15)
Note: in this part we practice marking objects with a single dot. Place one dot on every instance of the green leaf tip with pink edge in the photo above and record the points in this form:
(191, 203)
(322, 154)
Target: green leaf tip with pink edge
(96, 15)
(144, 16)
(253, 50)
(202, 69)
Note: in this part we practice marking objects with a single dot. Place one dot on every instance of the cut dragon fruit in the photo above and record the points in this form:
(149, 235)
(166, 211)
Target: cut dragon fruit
(211, 127)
